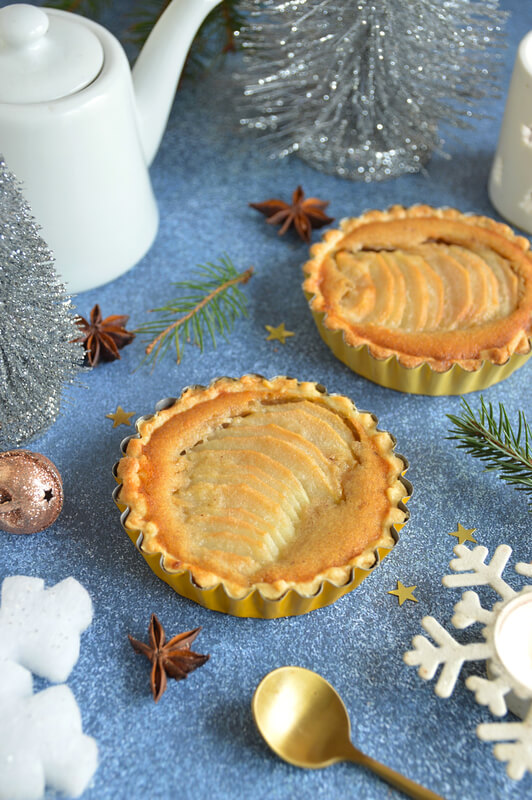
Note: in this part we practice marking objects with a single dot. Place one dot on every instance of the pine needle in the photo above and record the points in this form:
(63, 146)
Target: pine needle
(494, 441)
(208, 305)
(88, 8)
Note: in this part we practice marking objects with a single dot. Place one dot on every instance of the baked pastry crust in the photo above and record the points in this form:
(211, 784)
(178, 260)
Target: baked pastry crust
(427, 285)
(263, 484)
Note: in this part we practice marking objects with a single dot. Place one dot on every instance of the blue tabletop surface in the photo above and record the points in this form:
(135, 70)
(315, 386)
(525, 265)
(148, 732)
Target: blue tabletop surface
(200, 740)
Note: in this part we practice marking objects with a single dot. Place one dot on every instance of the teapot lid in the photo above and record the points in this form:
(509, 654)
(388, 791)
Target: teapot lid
(45, 56)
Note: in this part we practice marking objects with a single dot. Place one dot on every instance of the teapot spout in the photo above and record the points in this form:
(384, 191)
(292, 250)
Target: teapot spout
(158, 67)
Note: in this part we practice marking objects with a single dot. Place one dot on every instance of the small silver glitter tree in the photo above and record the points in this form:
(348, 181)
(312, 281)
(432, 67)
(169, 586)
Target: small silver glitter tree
(37, 326)
(359, 87)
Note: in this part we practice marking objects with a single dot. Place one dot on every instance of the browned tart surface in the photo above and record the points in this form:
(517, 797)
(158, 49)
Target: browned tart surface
(268, 484)
(427, 285)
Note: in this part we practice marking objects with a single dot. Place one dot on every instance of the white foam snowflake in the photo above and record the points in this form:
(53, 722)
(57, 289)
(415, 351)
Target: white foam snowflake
(41, 739)
(40, 628)
(514, 739)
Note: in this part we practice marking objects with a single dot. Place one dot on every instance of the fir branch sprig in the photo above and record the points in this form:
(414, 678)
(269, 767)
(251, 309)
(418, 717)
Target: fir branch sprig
(494, 441)
(88, 8)
(207, 306)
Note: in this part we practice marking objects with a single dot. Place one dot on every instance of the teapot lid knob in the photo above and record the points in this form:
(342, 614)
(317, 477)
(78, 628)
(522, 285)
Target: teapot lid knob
(45, 54)
(22, 25)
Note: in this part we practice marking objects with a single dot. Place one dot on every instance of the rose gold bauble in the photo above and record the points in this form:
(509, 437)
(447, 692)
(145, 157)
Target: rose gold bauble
(31, 492)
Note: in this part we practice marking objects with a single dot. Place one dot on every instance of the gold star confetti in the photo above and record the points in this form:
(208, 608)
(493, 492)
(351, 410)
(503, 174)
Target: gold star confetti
(464, 534)
(279, 333)
(404, 593)
(120, 417)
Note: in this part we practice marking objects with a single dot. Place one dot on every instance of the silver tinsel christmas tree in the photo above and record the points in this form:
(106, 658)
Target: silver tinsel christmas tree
(360, 87)
(37, 355)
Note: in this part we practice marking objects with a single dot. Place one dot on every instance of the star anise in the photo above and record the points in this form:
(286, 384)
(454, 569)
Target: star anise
(172, 659)
(103, 338)
(303, 213)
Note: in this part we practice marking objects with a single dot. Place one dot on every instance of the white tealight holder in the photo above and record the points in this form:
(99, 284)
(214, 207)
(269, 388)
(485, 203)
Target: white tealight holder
(506, 648)
(512, 650)
(510, 182)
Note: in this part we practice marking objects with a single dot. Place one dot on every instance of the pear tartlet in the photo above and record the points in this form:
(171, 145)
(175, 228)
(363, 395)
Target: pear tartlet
(261, 497)
(424, 300)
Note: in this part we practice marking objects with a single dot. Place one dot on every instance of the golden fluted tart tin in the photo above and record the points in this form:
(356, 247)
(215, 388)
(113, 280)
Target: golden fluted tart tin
(261, 498)
(423, 300)
(390, 373)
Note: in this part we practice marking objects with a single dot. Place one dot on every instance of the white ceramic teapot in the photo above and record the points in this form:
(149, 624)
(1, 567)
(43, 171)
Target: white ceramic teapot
(80, 131)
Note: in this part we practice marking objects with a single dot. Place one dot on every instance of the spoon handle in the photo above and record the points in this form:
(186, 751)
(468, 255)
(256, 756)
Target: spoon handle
(392, 777)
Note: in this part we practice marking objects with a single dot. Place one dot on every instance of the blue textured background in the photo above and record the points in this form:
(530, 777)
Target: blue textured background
(200, 740)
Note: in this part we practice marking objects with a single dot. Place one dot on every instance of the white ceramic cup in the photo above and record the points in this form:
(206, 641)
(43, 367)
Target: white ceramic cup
(510, 182)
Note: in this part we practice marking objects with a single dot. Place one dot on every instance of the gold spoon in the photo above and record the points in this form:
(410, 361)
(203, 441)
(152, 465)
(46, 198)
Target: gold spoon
(303, 719)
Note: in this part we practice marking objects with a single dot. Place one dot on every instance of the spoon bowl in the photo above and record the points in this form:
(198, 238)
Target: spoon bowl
(304, 721)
